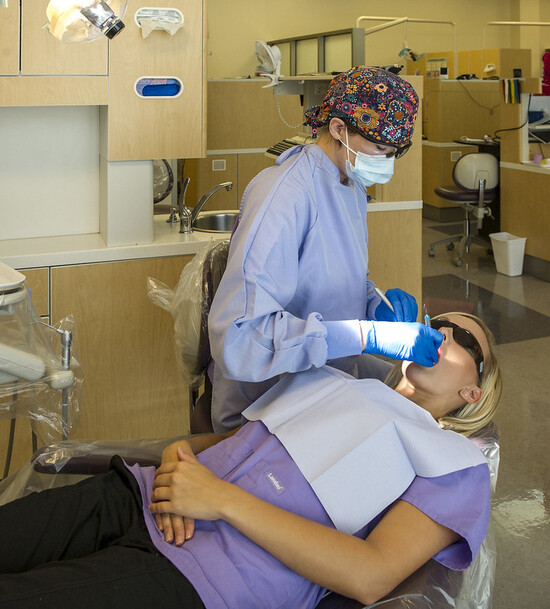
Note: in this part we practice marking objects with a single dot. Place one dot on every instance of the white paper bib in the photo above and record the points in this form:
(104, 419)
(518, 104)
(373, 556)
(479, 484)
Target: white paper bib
(357, 442)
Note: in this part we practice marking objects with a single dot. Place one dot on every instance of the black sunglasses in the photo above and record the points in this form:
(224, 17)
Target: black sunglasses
(465, 339)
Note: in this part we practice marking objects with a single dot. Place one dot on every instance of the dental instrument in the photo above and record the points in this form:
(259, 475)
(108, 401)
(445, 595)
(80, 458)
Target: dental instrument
(427, 319)
(384, 298)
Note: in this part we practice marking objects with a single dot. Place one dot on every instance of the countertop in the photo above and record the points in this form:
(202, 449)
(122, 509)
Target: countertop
(90, 248)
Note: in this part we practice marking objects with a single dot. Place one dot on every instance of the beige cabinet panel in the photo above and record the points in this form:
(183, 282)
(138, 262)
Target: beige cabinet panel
(239, 169)
(525, 209)
(250, 166)
(53, 91)
(22, 444)
(41, 53)
(38, 281)
(456, 108)
(132, 384)
(149, 128)
(204, 176)
(437, 170)
(9, 39)
(395, 250)
(242, 114)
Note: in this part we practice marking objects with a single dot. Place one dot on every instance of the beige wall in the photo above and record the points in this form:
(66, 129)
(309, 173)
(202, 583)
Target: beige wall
(233, 27)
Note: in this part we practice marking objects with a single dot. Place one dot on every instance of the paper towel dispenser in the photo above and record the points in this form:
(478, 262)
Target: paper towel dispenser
(160, 87)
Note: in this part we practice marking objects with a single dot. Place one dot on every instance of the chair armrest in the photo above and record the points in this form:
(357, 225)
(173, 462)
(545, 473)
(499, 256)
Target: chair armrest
(87, 458)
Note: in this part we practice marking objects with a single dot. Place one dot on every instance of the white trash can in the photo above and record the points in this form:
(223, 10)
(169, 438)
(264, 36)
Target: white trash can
(508, 251)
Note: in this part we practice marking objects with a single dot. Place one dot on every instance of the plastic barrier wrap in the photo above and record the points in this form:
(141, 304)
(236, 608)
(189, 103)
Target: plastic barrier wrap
(67, 462)
(39, 385)
(189, 304)
(433, 586)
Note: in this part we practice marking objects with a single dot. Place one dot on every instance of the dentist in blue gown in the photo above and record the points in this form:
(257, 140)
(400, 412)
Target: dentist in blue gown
(295, 293)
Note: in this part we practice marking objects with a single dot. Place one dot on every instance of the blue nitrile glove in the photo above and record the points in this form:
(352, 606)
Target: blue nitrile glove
(399, 340)
(403, 304)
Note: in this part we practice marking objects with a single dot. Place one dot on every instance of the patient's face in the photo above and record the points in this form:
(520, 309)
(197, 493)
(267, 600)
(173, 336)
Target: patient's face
(455, 369)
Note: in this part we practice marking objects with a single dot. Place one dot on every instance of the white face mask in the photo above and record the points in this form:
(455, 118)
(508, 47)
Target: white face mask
(369, 169)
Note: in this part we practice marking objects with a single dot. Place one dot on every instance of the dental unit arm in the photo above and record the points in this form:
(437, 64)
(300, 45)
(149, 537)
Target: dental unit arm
(36, 379)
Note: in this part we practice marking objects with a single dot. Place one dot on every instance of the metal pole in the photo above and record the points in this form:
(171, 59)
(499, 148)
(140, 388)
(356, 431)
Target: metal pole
(66, 340)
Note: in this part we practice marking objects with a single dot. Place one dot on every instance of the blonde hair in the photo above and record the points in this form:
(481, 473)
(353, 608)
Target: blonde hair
(469, 419)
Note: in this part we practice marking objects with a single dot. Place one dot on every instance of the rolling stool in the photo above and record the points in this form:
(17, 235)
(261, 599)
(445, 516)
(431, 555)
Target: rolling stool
(475, 177)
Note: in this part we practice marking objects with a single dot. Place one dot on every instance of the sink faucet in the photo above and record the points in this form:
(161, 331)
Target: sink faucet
(183, 210)
(204, 199)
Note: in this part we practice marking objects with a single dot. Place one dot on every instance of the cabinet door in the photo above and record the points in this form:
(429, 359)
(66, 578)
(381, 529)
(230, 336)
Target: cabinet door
(42, 54)
(38, 281)
(149, 128)
(9, 39)
(132, 384)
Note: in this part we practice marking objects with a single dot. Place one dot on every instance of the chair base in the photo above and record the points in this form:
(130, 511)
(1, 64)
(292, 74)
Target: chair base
(464, 246)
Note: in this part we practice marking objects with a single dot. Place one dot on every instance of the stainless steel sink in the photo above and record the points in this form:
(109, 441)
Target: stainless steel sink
(215, 222)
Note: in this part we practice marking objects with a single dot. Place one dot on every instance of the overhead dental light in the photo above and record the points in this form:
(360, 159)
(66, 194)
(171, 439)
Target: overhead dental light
(269, 58)
(85, 20)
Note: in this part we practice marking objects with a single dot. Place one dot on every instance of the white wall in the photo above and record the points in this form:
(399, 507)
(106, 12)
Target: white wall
(49, 171)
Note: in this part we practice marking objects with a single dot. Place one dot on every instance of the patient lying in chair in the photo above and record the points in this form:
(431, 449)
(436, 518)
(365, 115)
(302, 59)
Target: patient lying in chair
(333, 483)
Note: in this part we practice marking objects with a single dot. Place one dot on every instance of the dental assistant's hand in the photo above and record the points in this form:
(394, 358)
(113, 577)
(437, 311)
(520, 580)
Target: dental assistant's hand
(404, 307)
(188, 488)
(404, 341)
(176, 528)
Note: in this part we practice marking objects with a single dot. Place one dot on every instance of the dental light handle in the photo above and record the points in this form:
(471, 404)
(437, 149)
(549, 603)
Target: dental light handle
(66, 341)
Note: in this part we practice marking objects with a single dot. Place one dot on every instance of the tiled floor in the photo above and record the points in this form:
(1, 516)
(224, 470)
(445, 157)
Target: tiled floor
(517, 309)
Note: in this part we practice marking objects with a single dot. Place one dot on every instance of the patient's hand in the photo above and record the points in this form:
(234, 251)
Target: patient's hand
(176, 529)
(188, 487)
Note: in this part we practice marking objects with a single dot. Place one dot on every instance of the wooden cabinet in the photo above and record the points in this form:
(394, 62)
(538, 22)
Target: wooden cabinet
(132, 384)
(39, 285)
(457, 108)
(150, 128)
(133, 387)
(238, 168)
(42, 54)
(9, 39)
(395, 250)
(104, 73)
(474, 62)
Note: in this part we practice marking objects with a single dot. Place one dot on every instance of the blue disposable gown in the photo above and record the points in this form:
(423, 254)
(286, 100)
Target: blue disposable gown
(295, 284)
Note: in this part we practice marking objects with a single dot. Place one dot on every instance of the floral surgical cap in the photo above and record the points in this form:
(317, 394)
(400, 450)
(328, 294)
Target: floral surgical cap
(378, 104)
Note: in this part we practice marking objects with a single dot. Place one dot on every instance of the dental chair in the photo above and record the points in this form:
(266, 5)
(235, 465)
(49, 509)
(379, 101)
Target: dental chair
(476, 178)
(432, 586)
(66, 462)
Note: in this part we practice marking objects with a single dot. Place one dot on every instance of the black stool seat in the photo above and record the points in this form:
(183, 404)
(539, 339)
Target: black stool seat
(453, 193)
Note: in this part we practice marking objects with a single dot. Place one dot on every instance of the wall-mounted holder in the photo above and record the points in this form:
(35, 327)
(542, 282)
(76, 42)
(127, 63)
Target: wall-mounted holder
(150, 18)
(158, 87)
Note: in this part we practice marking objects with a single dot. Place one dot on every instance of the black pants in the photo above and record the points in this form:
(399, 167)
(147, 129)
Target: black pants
(86, 547)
